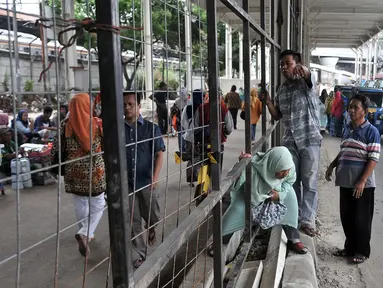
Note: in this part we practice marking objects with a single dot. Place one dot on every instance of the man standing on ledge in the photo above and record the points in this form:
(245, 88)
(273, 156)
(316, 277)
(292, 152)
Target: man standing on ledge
(297, 107)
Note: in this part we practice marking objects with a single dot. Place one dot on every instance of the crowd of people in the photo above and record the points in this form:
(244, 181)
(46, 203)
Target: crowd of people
(284, 178)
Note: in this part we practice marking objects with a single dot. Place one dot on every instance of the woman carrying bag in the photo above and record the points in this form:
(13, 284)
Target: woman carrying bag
(274, 201)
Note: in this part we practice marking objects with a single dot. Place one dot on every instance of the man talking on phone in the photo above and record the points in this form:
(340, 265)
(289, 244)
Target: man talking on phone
(297, 107)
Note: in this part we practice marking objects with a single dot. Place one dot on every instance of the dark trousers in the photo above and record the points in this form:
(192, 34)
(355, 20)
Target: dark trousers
(356, 216)
(234, 112)
(163, 121)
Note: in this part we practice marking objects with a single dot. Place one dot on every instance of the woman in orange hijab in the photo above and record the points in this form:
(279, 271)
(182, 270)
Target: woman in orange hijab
(81, 134)
(256, 111)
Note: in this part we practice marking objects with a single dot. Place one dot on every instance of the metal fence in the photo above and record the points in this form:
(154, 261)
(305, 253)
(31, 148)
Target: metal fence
(38, 248)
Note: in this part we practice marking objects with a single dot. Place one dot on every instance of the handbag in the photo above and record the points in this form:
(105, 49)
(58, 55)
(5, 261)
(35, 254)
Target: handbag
(242, 115)
(268, 213)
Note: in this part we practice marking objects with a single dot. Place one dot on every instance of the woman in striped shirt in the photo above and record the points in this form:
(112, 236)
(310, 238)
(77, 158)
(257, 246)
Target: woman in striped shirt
(355, 163)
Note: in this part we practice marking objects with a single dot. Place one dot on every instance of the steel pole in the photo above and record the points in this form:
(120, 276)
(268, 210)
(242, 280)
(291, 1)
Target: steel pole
(111, 84)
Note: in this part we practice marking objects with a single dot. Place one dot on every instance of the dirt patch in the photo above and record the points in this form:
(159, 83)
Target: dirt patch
(332, 272)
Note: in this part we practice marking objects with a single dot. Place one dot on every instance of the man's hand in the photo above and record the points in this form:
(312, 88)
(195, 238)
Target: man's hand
(329, 173)
(154, 184)
(265, 97)
(274, 196)
(301, 71)
(359, 187)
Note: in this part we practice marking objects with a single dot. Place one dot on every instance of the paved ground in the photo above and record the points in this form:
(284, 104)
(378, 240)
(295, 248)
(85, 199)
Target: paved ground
(38, 220)
(334, 272)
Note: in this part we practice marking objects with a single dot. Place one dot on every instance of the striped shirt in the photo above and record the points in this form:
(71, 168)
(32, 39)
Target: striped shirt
(358, 146)
(300, 114)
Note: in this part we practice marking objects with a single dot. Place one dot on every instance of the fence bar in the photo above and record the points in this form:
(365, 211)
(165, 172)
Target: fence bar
(246, 69)
(112, 106)
(215, 111)
(237, 10)
(272, 89)
(263, 70)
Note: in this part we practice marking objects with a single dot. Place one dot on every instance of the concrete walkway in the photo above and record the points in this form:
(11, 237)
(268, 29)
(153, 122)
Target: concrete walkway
(38, 220)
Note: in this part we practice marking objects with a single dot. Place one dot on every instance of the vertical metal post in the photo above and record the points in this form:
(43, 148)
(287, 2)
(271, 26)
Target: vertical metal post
(147, 10)
(263, 71)
(44, 46)
(188, 47)
(240, 36)
(114, 145)
(16, 51)
(246, 69)
(272, 64)
(211, 9)
(70, 52)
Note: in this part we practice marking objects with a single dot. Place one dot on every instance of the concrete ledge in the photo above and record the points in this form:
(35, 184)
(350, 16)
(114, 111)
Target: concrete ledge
(275, 259)
(300, 271)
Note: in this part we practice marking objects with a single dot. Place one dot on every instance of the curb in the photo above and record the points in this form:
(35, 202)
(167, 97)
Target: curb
(300, 270)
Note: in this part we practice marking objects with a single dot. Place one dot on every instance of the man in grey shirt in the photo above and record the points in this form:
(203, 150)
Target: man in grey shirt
(297, 108)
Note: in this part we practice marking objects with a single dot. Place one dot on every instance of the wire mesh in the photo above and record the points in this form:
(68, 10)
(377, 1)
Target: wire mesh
(167, 90)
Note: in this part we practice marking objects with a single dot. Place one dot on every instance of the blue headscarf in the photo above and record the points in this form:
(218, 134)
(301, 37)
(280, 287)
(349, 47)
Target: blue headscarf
(197, 101)
(20, 118)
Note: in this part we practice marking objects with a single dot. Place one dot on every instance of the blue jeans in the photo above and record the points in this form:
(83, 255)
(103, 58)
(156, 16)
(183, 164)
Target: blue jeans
(306, 162)
(253, 128)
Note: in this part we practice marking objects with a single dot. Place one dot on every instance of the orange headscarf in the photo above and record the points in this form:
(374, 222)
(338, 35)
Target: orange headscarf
(79, 120)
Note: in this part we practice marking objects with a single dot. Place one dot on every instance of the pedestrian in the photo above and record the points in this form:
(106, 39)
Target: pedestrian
(323, 96)
(175, 113)
(337, 115)
(328, 106)
(296, 106)
(355, 176)
(233, 102)
(188, 125)
(273, 177)
(144, 156)
(160, 99)
(80, 136)
(44, 125)
(255, 111)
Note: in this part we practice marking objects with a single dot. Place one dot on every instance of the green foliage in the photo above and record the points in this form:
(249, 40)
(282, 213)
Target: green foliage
(28, 86)
(6, 82)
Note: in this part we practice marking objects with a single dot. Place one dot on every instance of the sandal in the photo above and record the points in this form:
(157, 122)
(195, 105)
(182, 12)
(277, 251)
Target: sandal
(309, 231)
(83, 247)
(341, 253)
(210, 251)
(152, 239)
(359, 259)
(298, 247)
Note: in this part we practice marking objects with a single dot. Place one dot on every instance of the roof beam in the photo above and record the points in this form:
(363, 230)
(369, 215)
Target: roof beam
(346, 10)
(251, 10)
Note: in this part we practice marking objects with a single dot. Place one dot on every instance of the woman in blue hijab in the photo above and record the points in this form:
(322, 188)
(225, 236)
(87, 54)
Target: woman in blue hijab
(273, 176)
(23, 124)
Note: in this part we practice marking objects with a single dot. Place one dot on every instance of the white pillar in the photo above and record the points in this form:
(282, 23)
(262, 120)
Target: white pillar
(71, 52)
(356, 64)
(228, 52)
(375, 68)
(286, 25)
(188, 47)
(368, 74)
(148, 52)
(240, 35)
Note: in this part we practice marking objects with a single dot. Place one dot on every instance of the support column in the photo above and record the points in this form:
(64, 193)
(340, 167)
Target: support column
(368, 72)
(228, 52)
(188, 47)
(148, 52)
(375, 64)
(71, 52)
(285, 41)
(361, 73)
(240, 72)
(301, 16)
(356, 64)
